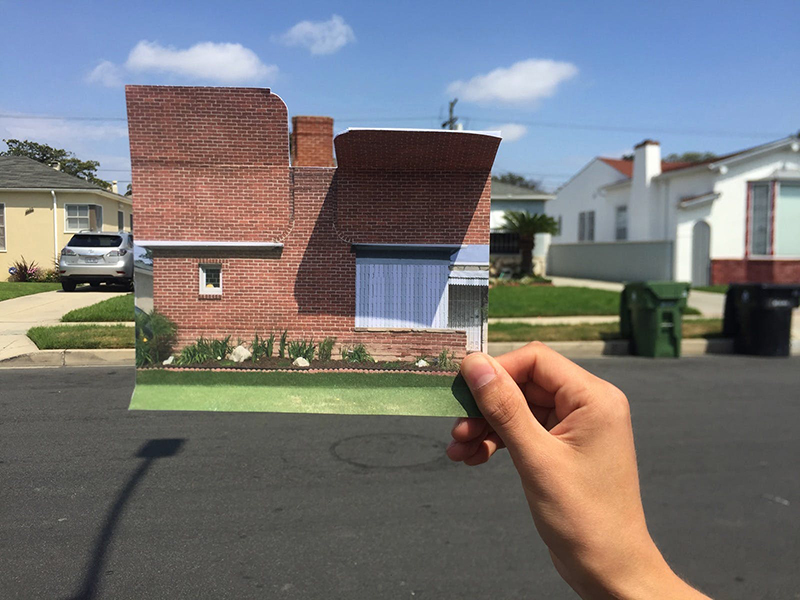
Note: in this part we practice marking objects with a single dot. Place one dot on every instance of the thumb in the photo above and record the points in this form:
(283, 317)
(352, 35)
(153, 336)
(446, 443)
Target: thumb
(502, 404)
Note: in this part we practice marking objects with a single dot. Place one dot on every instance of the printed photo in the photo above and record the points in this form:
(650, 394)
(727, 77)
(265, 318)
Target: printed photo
(288, 269)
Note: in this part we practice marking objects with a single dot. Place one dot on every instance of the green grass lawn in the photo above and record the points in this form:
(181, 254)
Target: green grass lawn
(297, 392)
(550, 301)
(524, 332)
(15, 289)
(119, 308)
(717, 289)
(82, 336)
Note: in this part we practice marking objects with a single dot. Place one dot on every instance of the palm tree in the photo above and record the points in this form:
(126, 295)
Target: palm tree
(527, 226)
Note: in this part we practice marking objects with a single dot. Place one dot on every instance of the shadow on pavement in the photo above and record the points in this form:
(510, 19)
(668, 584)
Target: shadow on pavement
(149, 452)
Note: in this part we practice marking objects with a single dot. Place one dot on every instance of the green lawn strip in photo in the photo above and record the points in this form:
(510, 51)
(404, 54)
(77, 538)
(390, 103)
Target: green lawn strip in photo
(410, 394)
(15, 289)
(716, 289)
(57, 337)
(550, 301)
(119, 308)
(523, 332)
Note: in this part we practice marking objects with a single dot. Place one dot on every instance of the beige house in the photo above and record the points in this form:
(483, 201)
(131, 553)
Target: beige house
(41, 208)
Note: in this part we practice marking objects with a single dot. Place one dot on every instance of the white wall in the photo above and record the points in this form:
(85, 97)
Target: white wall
(580, 194)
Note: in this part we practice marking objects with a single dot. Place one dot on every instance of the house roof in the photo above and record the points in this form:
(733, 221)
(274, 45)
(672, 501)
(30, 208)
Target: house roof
(416, 150)
(626, 166)
(508, 191)
(21, 172)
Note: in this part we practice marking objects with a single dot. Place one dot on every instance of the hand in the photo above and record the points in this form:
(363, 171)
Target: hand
(569, 434)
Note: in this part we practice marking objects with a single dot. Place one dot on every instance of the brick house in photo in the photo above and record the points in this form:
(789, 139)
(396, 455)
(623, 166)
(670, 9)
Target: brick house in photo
(389, 248)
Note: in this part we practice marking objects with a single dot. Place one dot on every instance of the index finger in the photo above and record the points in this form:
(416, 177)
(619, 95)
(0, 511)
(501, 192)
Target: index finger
(543, 366)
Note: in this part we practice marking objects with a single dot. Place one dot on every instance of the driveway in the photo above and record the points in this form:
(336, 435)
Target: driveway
(18, 315)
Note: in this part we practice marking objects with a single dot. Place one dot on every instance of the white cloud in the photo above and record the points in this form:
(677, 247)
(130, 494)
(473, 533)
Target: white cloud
(512, 132)
(218, 62)
(106, 73)
(523, 82)
(59, 132)
(320, 37)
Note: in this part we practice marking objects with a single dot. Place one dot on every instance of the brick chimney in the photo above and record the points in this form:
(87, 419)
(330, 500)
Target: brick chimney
(312, 141)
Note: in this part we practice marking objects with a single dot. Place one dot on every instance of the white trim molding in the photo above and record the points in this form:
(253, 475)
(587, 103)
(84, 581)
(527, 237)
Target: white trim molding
(204, 244)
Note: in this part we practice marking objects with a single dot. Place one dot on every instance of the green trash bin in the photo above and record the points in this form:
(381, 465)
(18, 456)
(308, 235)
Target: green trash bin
(650, 316)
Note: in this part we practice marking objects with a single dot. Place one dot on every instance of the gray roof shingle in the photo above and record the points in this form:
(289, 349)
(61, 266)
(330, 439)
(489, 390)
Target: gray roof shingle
(24, 172)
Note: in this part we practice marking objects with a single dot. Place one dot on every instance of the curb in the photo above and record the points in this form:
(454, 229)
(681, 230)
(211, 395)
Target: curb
(599, 349)
(72, 358)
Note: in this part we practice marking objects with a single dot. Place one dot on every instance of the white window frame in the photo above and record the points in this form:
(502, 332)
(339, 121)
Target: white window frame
(99, 217)
(621, 228)
(205, 291)
(769, 219)
(585, 233)
(4, 239)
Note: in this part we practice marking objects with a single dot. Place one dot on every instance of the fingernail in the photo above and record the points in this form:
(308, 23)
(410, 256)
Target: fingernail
(477, 372)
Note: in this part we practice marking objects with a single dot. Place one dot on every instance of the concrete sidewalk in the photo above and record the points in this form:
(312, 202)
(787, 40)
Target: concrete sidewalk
(18, 315)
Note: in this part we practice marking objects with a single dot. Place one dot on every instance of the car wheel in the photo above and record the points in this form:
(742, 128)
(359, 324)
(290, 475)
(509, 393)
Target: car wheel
(68, 286)
(94, 286)
(129, 286)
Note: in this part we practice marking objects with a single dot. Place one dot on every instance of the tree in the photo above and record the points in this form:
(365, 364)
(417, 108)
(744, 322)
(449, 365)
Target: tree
(67, 161)
(690, 157)
(527, 226)
(518, 180)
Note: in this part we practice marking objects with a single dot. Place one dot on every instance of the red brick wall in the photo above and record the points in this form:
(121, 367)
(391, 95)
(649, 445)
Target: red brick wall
(754, 271)
(312, 141)
(208, 164)
(413, 207)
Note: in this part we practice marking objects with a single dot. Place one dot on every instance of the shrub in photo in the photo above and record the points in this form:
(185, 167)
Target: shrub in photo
(447, 362)
(326, 348)
(282, 344)
(262, 347)
(155, 338)
(302, 349)
(22, 271)
(356, 354)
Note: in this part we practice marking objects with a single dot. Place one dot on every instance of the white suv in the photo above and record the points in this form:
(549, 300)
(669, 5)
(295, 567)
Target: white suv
(97, 257)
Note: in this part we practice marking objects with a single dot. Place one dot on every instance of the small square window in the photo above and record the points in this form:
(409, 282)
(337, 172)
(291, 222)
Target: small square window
(210, 279)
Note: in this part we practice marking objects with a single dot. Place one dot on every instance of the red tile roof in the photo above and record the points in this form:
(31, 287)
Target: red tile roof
(626, 166)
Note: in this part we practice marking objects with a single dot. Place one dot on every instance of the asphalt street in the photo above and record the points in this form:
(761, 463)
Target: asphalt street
(100, 502)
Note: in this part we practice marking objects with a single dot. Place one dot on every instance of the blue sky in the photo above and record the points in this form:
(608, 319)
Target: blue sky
(568, 80)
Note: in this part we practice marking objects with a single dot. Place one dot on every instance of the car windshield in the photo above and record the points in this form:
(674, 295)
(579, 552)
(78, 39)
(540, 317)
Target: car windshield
(95, 241)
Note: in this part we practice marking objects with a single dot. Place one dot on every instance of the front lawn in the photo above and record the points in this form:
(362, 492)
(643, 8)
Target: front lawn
(524, 332)
(298, 392)
(547, 301)
(57, 337)
(15, 289)
(119, 308)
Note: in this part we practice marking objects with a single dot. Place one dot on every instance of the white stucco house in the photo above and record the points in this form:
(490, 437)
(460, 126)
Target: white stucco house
(734, 218)
(504, 246)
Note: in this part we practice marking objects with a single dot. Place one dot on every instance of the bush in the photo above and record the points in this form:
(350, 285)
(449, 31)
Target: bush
(48, 275)
(155, 338)
(302, 349)
(326, 348)
(22, 271)
(447, 362)
(282, 344)
(356, 354)
(204, 350)
(262, 347)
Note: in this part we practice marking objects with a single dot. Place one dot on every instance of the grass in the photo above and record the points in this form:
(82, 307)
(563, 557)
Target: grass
(119, 308)
(82, 336)
(333, 393)
(15, 289)
(524, 332)
(545, 301)
(717, 289)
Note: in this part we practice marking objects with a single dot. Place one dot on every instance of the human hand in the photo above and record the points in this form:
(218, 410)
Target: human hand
(570, 437)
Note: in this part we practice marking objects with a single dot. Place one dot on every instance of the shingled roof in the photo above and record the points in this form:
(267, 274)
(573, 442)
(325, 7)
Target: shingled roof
(21, 172)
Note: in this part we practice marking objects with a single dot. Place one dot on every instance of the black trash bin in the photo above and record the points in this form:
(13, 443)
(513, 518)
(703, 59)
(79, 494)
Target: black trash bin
(758, 316)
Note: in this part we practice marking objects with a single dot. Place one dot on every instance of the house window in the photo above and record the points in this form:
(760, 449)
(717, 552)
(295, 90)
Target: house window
(2, 227)
(586, 226)
(401, 292)
(130, 221)
(621, 223)
(211, 279)
(558, 233)
(787, 218)
(761, 219)
(120, 220)
(83, 217)
(503, 243)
